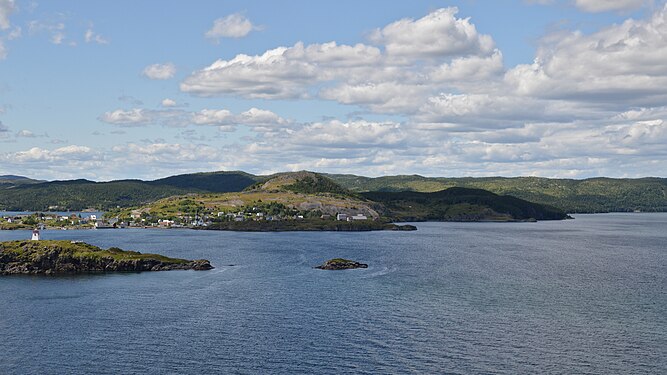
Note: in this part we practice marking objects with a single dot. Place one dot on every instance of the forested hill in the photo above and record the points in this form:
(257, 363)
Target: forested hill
(574, 196)
(82, 194)
(460, 204)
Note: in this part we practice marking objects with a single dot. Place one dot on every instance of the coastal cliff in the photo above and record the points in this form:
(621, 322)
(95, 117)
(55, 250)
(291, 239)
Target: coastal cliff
(66, 257)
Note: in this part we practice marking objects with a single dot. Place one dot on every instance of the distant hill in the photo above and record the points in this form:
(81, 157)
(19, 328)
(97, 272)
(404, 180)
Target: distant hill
(216, 182)
(574, 196)
(460, 204)
(9, 177)
(7, 181)
(310, 195)
(81, 194)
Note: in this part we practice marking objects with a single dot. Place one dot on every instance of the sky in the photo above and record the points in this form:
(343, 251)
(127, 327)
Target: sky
(146, 89)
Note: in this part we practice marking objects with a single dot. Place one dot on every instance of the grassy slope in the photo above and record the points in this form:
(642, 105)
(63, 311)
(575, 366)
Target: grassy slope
(29, 250)
(234, 202)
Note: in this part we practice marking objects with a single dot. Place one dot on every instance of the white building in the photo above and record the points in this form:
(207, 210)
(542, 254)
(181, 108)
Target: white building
(35, 235)
(342, 217)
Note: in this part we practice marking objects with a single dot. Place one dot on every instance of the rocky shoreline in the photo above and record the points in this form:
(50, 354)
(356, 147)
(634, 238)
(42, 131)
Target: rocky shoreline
(65, 257)
(307, 226)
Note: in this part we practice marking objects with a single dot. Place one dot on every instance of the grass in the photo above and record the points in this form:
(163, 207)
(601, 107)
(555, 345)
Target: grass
(32, 250)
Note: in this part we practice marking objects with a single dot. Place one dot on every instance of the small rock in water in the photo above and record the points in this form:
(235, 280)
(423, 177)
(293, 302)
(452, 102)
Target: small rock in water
(341, 264)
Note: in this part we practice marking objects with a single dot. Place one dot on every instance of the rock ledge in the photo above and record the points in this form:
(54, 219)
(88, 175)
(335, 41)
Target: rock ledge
(70, 257)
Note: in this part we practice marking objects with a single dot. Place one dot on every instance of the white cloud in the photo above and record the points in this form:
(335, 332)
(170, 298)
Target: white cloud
(7, 7)
(271, 75)
(168, 102)
(437, 34)
(232, 26)
(608, 5)
(160, 71)
(91, 36)
(622, 65)
(68, 153)
(130, 117)
(384, 97)
(55, 30)
(26, 134)
(260, 117)
(3, 50)
(213, 117)
(225, 120)
(349, 135)
(396, 80)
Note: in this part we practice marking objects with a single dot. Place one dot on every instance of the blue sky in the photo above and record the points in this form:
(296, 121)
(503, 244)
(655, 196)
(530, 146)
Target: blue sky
(127, 89)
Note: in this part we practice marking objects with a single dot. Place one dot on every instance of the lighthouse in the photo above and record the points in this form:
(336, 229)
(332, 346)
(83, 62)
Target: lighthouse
(35, 234)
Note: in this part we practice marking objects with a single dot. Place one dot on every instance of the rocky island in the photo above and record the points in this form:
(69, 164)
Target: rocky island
(72, 257)
(341, 264)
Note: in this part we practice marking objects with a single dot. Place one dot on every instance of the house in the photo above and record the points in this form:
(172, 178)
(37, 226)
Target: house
(239, 218)
(165, 223)
(342, 217)
(357, 217)
(326, 217)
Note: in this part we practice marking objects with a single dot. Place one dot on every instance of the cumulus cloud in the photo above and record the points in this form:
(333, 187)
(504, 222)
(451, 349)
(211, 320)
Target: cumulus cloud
(272, 75)
(160, 71)
(620, 65)
(413, 59)
(136, 116)
(232, 26)
(608, 5)
(437, 34)
(224, 119)
(590, 104)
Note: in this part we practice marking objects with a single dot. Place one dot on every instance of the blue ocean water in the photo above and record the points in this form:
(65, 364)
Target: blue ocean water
(585, 296)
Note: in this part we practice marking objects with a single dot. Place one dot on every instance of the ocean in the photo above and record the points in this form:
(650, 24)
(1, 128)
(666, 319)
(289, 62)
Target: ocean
(585, 296)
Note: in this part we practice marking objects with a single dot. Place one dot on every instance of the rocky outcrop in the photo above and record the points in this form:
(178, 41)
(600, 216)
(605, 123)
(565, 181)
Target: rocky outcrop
(341, 264)
(64, 257)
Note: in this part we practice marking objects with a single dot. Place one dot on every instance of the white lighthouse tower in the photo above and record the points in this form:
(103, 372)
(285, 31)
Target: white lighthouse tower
(35, 234)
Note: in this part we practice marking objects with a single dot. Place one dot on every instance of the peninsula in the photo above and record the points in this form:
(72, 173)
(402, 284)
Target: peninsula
(71, 257)
(307, 201)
